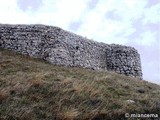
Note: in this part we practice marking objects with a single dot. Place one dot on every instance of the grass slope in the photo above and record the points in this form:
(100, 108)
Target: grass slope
(32, 89)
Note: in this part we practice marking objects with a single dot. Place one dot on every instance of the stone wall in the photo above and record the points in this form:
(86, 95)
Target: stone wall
(65, 48)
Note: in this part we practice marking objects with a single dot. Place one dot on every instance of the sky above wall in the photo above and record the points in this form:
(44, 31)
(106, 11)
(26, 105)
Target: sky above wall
(128, 22)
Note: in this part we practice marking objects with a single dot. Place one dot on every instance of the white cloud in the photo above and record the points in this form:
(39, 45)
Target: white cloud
(147, 38)
(131, 3)
(7, 5)
(61, 12)
(96, 25)
(11, 14)
(6, 9)
(152, 15)
(68, 11)
(58, 12)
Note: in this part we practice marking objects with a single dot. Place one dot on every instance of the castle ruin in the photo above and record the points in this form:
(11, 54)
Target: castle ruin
(61, 47)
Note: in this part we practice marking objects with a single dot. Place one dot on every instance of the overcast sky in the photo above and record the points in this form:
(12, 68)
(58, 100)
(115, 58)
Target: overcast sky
(127, 22)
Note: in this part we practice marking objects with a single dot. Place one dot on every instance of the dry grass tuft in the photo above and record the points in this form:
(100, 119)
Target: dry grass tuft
(68, 114)
(3, 96)
(36, 83)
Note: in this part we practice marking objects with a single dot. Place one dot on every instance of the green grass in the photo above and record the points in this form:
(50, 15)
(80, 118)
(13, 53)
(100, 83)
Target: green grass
(32, 89)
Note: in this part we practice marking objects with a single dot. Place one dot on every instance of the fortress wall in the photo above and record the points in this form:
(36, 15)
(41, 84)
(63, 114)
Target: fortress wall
(65, 48)
(125, 60)
(84, 52)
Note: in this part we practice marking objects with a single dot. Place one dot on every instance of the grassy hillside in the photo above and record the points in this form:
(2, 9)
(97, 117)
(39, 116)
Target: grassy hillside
(32, 89)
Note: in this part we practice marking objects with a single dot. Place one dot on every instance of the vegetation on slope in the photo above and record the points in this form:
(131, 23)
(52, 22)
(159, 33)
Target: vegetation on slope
(32, 89)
